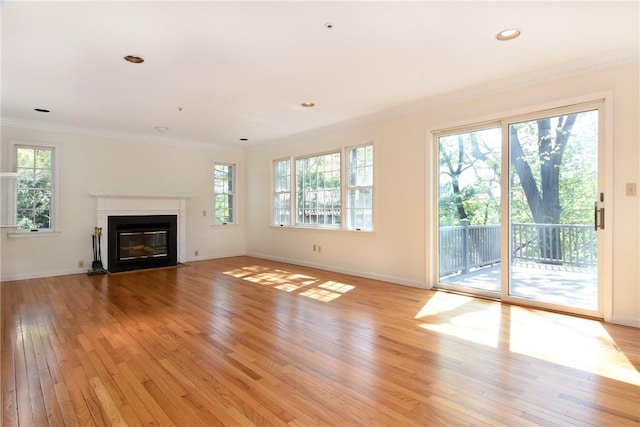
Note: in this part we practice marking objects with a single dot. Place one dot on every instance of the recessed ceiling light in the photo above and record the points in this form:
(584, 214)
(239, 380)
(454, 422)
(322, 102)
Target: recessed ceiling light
(308, 104)
(162, 129)
(41, 110)
(133, 59)
(328, 25)
(509, 34)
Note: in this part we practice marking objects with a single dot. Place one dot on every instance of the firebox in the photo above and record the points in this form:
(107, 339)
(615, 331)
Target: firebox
(141, 241)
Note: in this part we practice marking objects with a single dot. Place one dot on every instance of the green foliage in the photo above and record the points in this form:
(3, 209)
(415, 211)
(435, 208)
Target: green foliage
(34, 191)
(470, 171)
(470, 177)
(318, 189)
(223, 182)
(576, 162)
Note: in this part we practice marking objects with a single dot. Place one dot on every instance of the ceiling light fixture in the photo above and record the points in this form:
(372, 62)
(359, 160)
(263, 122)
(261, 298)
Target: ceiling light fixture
(509, 34)
(133, 59)
(244, 139)
(308, 104)
(162, 129)
(41, 110)
(328, 25)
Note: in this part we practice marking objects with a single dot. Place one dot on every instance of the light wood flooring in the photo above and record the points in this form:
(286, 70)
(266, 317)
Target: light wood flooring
(244, 341)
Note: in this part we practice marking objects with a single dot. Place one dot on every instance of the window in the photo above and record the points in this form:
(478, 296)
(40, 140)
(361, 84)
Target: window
(359, 209)
(223, 193)
(282, 192)
(315, 197)
(35, 188)
(318, 190)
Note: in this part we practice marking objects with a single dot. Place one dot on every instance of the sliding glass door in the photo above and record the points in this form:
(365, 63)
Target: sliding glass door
(469, 210)
(520, 209)
(554, 209)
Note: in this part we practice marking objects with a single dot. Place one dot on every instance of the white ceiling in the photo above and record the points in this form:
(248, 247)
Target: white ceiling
(241, 70)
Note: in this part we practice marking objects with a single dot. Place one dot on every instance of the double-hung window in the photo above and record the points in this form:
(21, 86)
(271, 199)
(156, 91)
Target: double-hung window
(325, 191)
(282, 192)
(318, 184)
(35, 188)
(359, 209)
(224, 193)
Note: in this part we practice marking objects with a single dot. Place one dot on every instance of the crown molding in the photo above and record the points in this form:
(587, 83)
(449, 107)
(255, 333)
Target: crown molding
(102, 133)
(497, 86)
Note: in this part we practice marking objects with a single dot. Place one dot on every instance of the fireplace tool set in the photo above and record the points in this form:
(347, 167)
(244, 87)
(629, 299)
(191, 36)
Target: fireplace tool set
(96, 265)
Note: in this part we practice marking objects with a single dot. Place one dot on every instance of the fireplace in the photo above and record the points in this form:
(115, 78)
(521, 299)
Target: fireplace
(139, 206)
(141, 241)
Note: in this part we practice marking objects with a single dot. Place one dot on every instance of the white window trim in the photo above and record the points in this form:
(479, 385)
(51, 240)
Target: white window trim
(274, 192)
(372, 186)
(294, 191)
(234, 222)
(342, 227)
(55, 177)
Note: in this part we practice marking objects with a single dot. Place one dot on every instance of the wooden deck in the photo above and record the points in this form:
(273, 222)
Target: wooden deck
(244, 341)
(572, 286)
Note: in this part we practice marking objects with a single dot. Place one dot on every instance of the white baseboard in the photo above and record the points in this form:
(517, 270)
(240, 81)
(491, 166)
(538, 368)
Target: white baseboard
(391, 279)
(41, 274)
(618, 320)
(626, 321)
(215, 256)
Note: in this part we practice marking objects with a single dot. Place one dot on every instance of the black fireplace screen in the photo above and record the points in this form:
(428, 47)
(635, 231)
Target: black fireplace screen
(145, 244)
(142, 241)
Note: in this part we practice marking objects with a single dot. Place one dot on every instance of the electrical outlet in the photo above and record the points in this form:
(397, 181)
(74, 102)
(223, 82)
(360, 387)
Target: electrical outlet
(204, 213)
(80, 263)
(631, 190)
(195, 253)
(314, 247)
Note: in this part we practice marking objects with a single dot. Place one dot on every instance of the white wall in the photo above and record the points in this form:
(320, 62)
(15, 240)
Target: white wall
(398, 250)
(91, 164)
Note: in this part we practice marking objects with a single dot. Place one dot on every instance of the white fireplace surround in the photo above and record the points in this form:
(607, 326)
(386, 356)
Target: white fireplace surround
(128, 204)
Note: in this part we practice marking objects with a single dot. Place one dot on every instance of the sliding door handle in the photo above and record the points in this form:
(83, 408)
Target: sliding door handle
(595, 217)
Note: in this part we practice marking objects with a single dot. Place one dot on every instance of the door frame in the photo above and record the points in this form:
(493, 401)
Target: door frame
(603, 101)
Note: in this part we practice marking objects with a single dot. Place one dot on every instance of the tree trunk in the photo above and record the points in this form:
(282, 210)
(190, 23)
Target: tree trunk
(544, 202)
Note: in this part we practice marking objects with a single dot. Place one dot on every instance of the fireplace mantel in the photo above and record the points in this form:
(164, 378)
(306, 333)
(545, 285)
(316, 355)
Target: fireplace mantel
(141, 204)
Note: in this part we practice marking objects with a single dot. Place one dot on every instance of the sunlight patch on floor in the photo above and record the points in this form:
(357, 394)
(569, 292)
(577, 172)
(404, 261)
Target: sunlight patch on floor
(327, 291)
(442, 302)
(449, 314)
(564, 340)
(291, 282)
(569, 341)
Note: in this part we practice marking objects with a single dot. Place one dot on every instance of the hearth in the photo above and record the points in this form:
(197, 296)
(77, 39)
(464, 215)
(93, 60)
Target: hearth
(141, 241)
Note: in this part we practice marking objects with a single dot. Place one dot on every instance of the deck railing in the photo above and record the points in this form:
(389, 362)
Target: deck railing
(466, 246)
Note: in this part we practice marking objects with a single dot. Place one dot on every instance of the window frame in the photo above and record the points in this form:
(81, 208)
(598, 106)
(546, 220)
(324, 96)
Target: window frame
(294, 190)
(276, 192)
(234, 195)
(344, 188)
(349, 187)
(55, 189)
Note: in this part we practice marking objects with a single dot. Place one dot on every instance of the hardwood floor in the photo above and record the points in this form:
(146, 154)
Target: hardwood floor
(244, 341)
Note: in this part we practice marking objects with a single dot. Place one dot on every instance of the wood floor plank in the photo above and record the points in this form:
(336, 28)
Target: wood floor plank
(252, 342)
(108, 405)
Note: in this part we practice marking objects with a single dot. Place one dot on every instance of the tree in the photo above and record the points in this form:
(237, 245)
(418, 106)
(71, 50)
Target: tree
(543, 194)
(470, 177)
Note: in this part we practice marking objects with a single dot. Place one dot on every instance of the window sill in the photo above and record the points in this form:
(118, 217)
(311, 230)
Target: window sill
(322, 229)
(229, 224)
